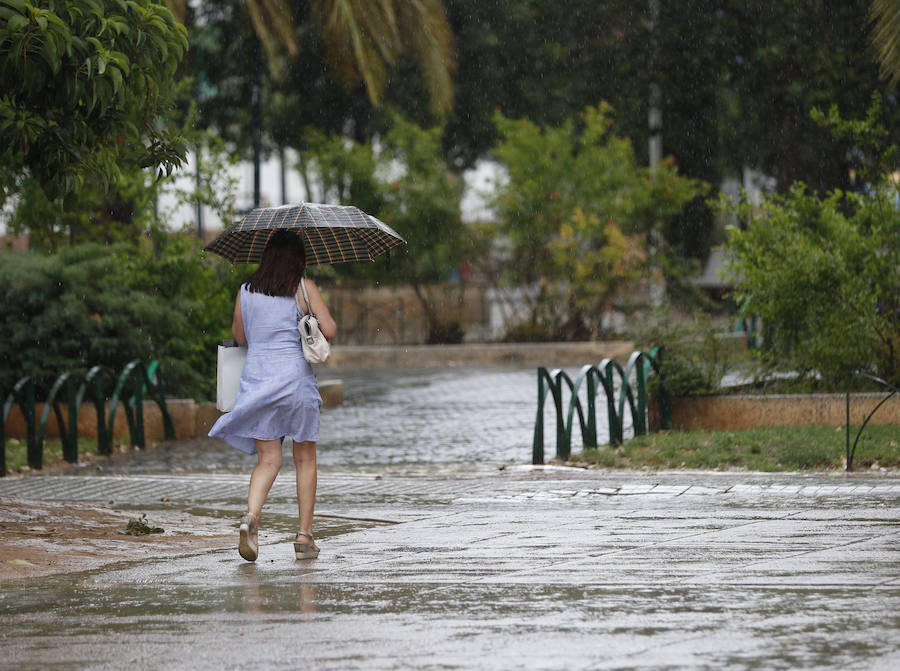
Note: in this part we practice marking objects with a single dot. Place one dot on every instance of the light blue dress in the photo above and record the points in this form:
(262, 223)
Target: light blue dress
(279, 393)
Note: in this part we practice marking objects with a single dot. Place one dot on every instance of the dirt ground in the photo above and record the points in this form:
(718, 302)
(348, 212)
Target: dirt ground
(39, 538)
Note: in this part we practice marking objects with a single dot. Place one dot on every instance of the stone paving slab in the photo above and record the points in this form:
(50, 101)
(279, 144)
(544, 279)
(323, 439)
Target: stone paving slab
(484, 485)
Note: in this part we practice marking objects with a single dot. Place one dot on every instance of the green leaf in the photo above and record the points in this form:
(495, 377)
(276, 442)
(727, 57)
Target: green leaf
(116, 76)
(50, 55)
(16, 23)
(19, 5)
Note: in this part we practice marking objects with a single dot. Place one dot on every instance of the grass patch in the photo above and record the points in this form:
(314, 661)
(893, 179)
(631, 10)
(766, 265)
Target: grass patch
(783, 448)
(17, 452)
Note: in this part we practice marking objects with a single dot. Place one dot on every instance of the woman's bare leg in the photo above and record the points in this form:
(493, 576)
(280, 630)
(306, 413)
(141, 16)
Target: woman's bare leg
(305, 460)
(268, 453)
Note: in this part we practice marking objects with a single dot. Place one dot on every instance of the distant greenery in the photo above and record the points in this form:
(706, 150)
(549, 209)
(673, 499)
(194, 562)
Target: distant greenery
(127, 209)
(783, 448)
(580, 213)
(405, 182)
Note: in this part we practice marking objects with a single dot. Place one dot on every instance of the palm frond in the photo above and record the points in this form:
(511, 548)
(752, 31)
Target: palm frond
(885, 17)
(273, 24)
(178, 9)
(426, 32)
(361, 40)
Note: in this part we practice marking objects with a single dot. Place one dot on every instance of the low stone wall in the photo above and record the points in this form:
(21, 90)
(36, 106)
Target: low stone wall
(390, 315)
(489, 354)
(732, 413)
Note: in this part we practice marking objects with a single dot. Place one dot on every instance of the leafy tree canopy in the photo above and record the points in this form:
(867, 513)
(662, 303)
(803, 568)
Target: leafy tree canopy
(84, 83)
(737, 79)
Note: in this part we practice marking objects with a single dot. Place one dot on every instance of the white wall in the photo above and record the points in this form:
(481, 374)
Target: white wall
(479, 182)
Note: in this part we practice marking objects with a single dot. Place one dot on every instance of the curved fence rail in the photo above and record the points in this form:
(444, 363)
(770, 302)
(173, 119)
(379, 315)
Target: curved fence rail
(631, 389)
(893, 391)
(72, 390)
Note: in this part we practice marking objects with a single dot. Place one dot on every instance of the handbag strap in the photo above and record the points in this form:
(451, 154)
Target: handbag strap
(305, 298)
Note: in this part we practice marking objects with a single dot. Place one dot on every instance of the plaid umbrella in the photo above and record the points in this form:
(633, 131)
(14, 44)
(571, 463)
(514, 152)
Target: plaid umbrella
(331, 233)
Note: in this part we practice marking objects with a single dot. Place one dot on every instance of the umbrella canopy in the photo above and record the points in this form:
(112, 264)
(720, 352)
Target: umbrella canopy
(331, 233)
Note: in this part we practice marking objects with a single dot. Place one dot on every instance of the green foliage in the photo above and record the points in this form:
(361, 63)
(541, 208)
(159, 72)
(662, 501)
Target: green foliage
(213, 184)
(737, 77)
(874, 153)
(577, 209)
(406, 183)
(126, 210)
(422, 202)
(122, 212)
(824, 276)
(824, 272)
(90, 305)
(84, 83)
(775, 62)
(696, 354)
(597, 258)
(333, 169)
(331, 65)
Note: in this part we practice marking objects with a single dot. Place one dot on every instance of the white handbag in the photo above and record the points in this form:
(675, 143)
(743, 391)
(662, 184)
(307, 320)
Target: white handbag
(229, 367)
(316, 348)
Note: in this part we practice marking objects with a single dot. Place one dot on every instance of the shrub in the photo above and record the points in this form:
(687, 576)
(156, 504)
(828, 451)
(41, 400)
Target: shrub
(96, 305)
(696, 355)
(824, 276)
(824, 272)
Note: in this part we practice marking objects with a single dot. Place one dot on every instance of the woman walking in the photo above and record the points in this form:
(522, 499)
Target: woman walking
(279, 393)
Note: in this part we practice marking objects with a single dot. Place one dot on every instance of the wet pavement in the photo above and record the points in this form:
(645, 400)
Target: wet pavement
(450, 554)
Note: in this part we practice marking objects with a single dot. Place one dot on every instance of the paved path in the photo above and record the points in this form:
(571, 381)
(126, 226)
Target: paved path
(433, 558)
(492, 569)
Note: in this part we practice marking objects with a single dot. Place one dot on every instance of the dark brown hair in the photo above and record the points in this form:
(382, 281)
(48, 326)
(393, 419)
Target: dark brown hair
(283, 264)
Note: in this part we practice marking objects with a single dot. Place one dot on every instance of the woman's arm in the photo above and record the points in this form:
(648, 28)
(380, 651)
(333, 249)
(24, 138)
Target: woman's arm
(326, 322)
(237, 322)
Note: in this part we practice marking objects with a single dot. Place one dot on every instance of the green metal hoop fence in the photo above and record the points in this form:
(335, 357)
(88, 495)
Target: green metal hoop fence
(632, 389)
(72, 389)
(893, 391)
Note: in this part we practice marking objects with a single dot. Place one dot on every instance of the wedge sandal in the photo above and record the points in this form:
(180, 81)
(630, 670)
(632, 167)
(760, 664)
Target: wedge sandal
(248, 545)
(304, 549)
